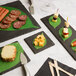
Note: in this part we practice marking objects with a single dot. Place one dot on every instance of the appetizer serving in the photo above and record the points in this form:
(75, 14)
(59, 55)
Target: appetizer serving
(8, 53)
(55, 17)
(39, 41)
(14, 20)
(65, 29)
(73, 44)
(65, 32)
(10, 57)
(13, 16)
(18, 21)
(55, 20)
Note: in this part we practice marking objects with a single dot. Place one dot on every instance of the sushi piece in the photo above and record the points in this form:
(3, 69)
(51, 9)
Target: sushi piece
(8, 53)
(55, 16)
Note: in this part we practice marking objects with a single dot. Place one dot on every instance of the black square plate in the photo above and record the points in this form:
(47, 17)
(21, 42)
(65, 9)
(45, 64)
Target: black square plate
(17, 65)
(30, 39)
(6, 35)
(45, 70)
(66, 44)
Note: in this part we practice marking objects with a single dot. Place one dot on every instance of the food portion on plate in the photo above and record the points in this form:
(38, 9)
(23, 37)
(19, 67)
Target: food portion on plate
(65, 29)
(13, 16)
(10, 57)
(54, 20)
(21, 21)
(15, 19)
(9, 53)
(65, 32)
(73, 44)
(55, 16)
(39, 41)
(3, 13)
(22, 17)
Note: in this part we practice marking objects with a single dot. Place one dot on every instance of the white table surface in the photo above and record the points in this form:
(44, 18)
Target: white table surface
(44, 8)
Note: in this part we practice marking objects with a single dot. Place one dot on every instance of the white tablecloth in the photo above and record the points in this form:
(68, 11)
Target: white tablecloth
(44, 8)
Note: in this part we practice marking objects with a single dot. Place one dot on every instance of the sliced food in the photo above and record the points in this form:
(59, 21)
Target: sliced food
(15, 12)
(18, 24)
(13, 16)
(8, 53)
(22, 17)
(9, 19)
(6, 22)
(22, 22)
(4, 26)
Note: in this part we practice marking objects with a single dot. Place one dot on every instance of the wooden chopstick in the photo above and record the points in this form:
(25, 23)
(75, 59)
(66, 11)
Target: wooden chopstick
(51, 69)
(56, 67)
(53, 65)
(66, 72)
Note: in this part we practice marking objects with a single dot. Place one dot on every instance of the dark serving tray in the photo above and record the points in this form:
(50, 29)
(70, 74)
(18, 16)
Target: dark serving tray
(6, 35)
(30, 39)
(14, 64)
(45, 70)
(67, 43)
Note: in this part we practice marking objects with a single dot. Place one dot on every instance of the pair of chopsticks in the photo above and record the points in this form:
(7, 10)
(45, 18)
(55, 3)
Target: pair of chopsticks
(51, 65)
(56, 66)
